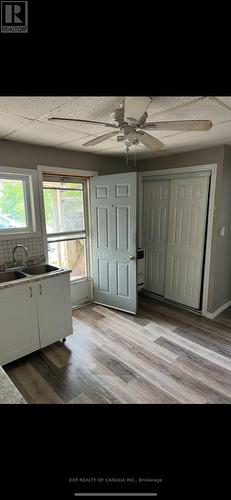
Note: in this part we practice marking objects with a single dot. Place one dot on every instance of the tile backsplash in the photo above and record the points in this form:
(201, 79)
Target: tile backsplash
(34, 245)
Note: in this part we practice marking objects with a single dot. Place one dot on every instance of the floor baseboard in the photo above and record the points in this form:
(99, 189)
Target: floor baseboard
(218, 311)
(81, 305)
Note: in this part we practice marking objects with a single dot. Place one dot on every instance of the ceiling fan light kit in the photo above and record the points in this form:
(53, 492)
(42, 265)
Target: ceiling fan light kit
(129, 124)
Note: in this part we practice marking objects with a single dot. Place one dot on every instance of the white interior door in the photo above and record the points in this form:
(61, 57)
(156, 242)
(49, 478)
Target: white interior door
(155, 233)
(186, 240)
(113, 207)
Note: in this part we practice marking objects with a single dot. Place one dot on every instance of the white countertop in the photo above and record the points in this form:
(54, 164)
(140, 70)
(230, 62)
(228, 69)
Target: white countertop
(9, 394)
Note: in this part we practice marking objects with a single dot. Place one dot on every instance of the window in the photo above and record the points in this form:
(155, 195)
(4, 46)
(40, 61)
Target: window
(15, 204)
(65, 215)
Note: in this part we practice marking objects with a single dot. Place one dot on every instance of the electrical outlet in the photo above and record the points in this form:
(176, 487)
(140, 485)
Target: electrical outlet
(222, 231)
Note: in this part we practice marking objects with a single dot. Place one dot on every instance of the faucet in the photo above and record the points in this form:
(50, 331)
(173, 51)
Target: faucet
(14, 250)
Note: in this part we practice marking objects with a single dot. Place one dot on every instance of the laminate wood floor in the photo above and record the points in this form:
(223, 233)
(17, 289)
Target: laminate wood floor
(162, 355)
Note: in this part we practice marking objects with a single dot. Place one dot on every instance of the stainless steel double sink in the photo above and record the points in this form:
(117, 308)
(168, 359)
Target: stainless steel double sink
(33, 270)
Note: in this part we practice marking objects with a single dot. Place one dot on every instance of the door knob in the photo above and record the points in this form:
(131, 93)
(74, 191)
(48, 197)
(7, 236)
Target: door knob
(131, 257)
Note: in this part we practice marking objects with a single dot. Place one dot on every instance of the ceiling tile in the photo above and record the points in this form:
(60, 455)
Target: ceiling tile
(86, 108)
(44, 134)
(10, 123)
(202, 109)
(226, 100)
(164, 103)
(31, 107)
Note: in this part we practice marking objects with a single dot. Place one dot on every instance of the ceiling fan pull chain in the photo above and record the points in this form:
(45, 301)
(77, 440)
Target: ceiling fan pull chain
(127, 150)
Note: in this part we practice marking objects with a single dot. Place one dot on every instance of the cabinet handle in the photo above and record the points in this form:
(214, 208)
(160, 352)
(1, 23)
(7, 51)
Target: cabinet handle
(40, 289)
(31, 293)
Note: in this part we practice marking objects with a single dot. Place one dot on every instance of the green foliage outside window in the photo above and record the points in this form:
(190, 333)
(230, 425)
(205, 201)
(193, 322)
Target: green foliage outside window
(12, 204)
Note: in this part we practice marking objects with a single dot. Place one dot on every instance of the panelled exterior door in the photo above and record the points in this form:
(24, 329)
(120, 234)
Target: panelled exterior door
(186, 240)
(155, 233)
(113, 207)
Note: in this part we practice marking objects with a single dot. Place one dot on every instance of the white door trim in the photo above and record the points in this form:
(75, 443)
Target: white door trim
(212, 168)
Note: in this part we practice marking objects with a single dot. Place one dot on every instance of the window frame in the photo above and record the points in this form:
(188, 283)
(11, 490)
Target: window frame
(29, 179)
(81, 174)
(63, 236)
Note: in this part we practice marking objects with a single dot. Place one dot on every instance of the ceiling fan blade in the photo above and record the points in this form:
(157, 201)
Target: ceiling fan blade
(89, 122)
(135, 107)
(180, 125)
(149, 141)
(102, 138)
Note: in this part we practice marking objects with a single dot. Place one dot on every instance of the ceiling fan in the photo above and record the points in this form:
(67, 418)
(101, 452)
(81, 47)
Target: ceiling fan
(129, 123)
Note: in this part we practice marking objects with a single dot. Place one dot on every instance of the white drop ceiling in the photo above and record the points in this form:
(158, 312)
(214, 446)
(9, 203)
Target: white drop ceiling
(25, 119)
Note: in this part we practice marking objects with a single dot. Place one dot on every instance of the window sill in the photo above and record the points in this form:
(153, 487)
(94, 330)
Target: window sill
(79, 280)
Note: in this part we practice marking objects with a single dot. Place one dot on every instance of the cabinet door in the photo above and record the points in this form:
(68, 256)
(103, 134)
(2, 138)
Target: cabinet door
(54, 309)
(18, 323)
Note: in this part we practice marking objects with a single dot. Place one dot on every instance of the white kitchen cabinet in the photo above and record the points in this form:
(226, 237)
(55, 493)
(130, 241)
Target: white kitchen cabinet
(54, 309)
(34, 315)
(19, 334)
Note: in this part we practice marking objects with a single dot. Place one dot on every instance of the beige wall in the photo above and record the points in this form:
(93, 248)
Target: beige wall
(190, 158)
(222, 279)
(218, 290)
(15, 154)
